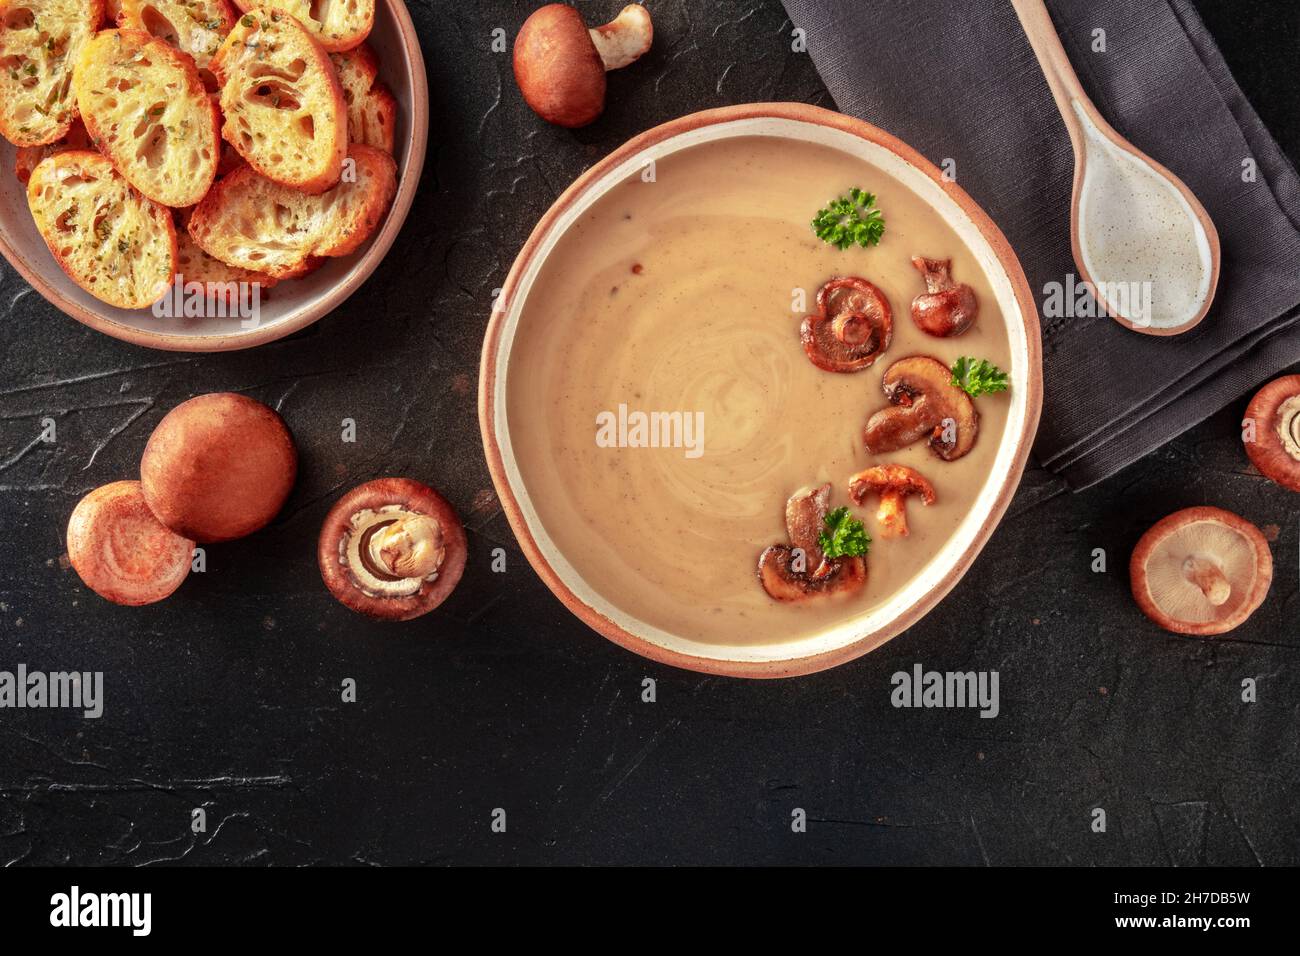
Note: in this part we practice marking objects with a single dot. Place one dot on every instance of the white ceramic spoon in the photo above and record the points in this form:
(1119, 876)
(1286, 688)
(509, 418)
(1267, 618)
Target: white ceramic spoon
(1140, 238)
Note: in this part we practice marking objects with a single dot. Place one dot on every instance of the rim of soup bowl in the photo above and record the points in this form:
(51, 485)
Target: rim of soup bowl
(861, 634)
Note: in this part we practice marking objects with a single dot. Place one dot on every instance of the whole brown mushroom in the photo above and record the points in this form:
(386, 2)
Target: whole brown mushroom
(392, 549)
(1271, 431)
(1201, 571)
(121, 551)
(560, 65)
(923, 404)
(218, 467)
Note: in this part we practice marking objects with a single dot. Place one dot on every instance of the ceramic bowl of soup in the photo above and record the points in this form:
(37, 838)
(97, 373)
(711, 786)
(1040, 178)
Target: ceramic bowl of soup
(648, 408)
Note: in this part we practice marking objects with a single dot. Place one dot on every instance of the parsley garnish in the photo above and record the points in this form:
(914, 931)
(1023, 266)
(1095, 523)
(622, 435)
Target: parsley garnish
(978, 377)
(850, 219)
(844, 535)
(248, 21)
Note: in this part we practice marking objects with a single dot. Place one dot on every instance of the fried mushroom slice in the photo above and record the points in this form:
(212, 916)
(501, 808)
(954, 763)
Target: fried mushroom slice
(945, 307)
(800, 571)
(893, 484)
(853, 326)
(923, 401)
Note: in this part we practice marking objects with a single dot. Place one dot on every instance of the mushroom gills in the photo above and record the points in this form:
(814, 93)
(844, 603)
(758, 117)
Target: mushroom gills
(391, 551)
(852, 327)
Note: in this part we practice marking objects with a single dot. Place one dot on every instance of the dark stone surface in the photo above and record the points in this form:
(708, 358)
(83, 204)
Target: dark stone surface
(227, 697)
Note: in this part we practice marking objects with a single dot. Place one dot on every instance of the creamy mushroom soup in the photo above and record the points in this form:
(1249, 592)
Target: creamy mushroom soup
(685, 296)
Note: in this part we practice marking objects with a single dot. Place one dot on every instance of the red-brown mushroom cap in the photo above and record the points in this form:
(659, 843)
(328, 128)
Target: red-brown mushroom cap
(945, 308)
(218, 467)
(1201, 571)
(893, 483)
(923, 403)
(392, 549)
(560, 65)
(800, 571)
(121, 551)
(852, 327)
(1272, 435)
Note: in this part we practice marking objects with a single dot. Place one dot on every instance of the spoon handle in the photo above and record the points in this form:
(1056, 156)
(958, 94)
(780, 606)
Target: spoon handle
(1061, 78)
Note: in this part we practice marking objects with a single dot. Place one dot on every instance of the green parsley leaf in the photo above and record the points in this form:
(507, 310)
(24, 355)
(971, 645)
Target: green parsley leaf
(844, 536)
(978, 377)
(849, 219)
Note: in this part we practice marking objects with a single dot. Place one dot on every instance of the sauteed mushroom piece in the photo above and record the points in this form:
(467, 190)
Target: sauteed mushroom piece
(852, 327)
(923, 402)
(894, 484)
(802, 571)
(945, 307)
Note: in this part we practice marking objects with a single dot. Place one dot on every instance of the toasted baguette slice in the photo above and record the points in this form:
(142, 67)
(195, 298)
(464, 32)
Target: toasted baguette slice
(337, 24)
(116, 244)
(196, 27)
(146, 109)
(282, 101)
(40, 41)
(218, 279)
(372, 110)
(250, 222)
(28, 158)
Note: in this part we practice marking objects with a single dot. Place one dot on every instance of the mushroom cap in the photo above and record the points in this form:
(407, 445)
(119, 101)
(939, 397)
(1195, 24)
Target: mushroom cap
(1275, 450)
(923, 401)
(121, 550)
(558, 68)
(892, 479)
(1180, 567)
(218, 467)
(419, 597)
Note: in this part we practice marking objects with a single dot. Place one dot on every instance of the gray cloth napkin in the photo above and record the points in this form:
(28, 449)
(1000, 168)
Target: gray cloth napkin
(958, 79)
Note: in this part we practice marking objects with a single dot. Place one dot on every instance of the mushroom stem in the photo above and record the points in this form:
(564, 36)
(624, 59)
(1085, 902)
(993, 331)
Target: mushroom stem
(1207, 576)
(892, 515)
(409, 547)
(624, 39)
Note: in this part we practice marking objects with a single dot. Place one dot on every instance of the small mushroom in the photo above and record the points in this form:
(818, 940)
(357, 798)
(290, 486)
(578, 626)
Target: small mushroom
(853, 325)
(945, 308)
(392, 549)
(893, 483)
(560, 65)
(801, 571)
(1272, 435)
(218, 467)
(1201, 571)
(121, 551)
(923, 402)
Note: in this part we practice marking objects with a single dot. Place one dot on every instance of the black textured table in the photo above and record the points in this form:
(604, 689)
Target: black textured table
(228, 696)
